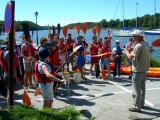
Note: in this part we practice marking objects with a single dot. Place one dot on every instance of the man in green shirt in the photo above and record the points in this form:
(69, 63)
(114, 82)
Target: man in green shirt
(140, 65)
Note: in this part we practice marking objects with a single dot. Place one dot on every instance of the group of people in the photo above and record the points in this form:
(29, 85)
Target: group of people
(54, 52)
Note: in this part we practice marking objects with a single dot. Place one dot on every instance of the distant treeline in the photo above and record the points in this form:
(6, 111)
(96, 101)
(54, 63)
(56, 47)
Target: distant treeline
(144, 22)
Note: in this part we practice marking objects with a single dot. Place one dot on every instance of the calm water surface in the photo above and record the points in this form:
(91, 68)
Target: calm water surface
(88, 37)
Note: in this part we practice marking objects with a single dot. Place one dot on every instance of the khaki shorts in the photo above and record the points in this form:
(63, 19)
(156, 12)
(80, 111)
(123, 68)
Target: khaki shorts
(70, 59)
(28, 66)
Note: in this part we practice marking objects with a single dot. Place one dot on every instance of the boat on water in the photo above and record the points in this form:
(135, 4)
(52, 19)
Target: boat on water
(123, 33)
(126, 32)
(152, 32)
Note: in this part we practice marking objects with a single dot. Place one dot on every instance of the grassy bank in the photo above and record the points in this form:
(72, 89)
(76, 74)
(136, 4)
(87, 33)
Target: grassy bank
(153, 62)
(30, 113)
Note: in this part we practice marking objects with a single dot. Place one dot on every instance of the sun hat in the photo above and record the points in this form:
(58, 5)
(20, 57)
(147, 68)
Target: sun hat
(43, 53)
(117, 41)
(138, 33)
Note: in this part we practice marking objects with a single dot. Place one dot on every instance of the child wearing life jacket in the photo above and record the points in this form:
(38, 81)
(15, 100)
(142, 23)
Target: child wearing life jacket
(45, 76)
(104, 61)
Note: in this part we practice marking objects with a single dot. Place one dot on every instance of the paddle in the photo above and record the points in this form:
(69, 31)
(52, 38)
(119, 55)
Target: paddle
(65, 31)
(53, 30)
(98, 30)
(84, 28)
(78, 30)
(108, 32)
(49, 32)
(37, 91)
(58, 29)
(74, 28)
(99, 55)
(103, 73)
(75, 31)
(26, 99)
(156, 43)
(74, 50)
(94, 31)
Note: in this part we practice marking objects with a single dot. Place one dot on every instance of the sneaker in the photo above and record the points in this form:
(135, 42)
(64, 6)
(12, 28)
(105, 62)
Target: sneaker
(109, 78)
(26, 89)
(119, 76)
(90, 76)
(134, 109)
(114, 77)
(32, 87)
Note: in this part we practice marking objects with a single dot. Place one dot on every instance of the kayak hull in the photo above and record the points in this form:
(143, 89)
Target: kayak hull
(153, 72)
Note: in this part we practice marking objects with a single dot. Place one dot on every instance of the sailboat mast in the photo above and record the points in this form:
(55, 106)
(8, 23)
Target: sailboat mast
(155, 14)
(123, 13)
(136, 13)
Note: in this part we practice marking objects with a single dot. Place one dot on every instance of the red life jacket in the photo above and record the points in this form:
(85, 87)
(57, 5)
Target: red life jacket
(42, 78)
(107, 55)
(30, 50)
(94, 50)
(4, 64)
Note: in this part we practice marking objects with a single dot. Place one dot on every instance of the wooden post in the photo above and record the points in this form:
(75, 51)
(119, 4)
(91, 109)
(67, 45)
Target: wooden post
(10, 66)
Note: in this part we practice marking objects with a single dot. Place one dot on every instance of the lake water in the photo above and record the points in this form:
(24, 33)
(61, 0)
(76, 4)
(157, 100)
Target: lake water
(123, 40)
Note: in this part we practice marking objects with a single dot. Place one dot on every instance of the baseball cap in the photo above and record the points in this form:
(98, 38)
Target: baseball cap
(138, 33)
(43, 53)
(117, 41)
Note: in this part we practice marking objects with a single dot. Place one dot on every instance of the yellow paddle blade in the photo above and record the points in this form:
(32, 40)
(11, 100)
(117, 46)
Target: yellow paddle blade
(37, 91)
(26, 99)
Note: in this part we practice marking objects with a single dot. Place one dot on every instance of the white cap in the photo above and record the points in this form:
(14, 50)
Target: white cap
(117, 41)
(138, 33)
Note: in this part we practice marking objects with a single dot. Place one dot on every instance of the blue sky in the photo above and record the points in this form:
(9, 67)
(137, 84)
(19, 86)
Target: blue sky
(64, 12)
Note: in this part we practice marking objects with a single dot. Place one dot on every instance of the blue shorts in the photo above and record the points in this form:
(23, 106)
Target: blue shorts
(80, 61)
(46, 91)
(104, 62)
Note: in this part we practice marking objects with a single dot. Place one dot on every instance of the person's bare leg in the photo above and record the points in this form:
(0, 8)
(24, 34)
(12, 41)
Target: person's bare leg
(108, 70)
(26, 76)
